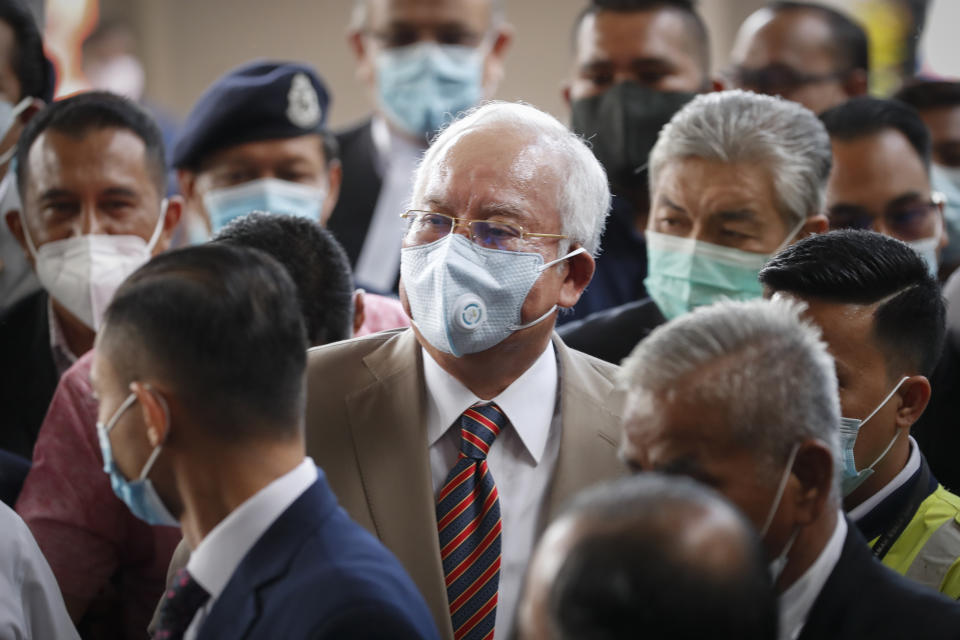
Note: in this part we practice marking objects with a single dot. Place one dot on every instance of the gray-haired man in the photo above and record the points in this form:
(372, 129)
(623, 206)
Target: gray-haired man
(742, 397)
(734, 177)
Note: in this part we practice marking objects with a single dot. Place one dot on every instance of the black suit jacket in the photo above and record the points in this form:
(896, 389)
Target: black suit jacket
(612, 334)
(28, 376)
(316, 573)
(359, 191)
(864, 599)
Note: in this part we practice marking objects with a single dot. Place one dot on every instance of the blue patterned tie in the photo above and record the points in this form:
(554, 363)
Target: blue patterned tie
(180, 604)
(468, 518)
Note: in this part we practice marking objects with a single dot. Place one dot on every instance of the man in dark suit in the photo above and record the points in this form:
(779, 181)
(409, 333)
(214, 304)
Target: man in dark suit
(91, 174)
(422, 63)
(199, 373)
(742, 396)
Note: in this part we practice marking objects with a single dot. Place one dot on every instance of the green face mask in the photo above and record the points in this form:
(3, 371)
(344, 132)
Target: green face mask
(622, 125)
(684, 274)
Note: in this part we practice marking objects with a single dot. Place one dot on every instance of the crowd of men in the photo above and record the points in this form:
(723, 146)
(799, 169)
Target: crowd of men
(681, 368)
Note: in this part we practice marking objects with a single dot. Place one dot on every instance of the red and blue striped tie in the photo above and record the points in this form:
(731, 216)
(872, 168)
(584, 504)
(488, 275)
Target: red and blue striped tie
(468, 517)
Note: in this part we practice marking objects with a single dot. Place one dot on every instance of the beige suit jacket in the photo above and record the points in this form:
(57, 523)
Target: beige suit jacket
(366, 428)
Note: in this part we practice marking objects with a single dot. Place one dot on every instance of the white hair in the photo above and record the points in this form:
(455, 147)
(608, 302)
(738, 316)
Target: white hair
(767, 367)
(583, 200)
(740, 126)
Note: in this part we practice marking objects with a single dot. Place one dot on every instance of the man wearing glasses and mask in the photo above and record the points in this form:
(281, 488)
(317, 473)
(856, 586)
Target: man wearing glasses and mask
(508, 208)
(422, 62)
(802, 51)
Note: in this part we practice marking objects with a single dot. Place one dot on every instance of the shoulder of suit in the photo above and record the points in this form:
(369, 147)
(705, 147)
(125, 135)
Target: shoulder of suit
(353, 131)
(601, 367)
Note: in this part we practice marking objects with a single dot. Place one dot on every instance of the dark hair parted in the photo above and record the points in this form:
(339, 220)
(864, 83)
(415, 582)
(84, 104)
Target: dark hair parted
(864, 116)
(630, 572)
(865, 268)
(219, 324)
(314, 259)
(850, 42)
(78, 115)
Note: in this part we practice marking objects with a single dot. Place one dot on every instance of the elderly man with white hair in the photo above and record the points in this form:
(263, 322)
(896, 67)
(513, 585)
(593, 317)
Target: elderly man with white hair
(741, 396)
(456, 441)
(734, 177)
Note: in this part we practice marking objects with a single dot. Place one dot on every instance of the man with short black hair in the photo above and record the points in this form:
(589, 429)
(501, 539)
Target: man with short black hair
(742, 396)
(91, 174)
(199, 374)
(880, 178)
(882, 318)
(938, 104)
(636, 62)
(803, 51)
(651, 554)
(26, 84)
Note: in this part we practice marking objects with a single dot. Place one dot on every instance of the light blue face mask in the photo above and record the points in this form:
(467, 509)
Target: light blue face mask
(849, 428)
(683, 273)
(265, 194)
(465, 298)
(139, 495)
(423, 85)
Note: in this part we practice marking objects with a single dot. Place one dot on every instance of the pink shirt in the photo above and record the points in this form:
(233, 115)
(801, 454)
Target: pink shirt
(91, 540)
(381, 313)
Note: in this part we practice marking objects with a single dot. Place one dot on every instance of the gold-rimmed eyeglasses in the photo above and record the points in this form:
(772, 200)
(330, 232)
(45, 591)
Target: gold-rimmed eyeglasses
(424, 227)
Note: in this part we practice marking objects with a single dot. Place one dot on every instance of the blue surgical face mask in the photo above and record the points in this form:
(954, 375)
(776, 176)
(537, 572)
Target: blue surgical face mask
(421, 86)
(265, 194)
(684, 273)
(465, 298)
(849, 428)
(139, 495)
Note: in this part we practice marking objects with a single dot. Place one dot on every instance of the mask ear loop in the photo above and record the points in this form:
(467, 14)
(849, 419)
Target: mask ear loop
(159, 228)
(884, 402)
(156, 451)
(786, 241)
(541, 269)
(780, 489)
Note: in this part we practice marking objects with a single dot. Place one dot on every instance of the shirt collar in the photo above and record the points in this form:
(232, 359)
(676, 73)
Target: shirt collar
(63, 357)
(218, 555)
(448, 398)
(912, 466)
(392, 148)
(796, 602)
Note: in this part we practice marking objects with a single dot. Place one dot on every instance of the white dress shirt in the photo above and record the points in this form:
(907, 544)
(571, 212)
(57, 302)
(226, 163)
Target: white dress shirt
(795, 602)
(521, 459)
(31, 605)
(218, 555)
(912, 466)
(379, 262)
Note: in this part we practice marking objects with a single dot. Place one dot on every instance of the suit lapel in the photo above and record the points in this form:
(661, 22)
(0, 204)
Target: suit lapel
(239, 606)
(390, 440)
(590, 434)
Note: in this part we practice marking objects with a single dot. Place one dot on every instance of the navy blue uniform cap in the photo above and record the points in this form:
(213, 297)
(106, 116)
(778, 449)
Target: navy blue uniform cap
(262, 100)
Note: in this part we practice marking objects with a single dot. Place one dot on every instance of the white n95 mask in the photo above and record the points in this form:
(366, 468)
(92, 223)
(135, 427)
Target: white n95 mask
(849, 428)
(83, 272)
(465, 298)
(269, 195)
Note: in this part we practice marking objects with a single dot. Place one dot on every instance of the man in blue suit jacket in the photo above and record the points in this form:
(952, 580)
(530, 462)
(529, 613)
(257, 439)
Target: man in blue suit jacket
(199, 372)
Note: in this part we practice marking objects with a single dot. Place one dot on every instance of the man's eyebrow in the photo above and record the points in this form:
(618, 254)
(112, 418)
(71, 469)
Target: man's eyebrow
(737, 215)
(670, 204)
(124, 192)
(910, 197)
(56, 193)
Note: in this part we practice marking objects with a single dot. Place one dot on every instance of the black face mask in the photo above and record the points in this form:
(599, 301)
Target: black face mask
(622, 124)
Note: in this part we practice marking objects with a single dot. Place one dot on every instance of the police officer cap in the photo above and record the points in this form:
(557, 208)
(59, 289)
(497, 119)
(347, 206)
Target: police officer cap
(258, 101)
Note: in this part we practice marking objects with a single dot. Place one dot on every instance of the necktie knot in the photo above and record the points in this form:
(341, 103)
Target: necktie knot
(479, 427)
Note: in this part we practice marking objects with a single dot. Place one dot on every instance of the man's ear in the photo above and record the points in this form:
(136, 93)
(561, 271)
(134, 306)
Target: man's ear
(156, 413)
(580, 270)
(363, 55)
(493, 66)
(914, 396)
(814, 225)
(857, 83)
(359, 312)
(716, 84)
(172, 218)
(13, 223)
(565, 92)
(813, 472)
(334, 180)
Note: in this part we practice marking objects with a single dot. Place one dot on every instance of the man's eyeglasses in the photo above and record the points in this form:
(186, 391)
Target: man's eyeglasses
(914, 221)
(424, 227)
(777, 79)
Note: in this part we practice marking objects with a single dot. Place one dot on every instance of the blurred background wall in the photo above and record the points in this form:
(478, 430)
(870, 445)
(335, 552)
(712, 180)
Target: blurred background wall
(185, 44)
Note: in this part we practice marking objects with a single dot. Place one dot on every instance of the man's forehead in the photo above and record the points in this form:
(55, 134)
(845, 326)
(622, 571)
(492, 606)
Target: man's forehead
(427, 13)
(786, 36)
(659, 30)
